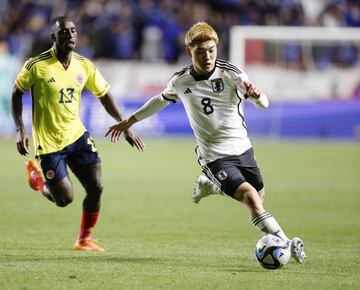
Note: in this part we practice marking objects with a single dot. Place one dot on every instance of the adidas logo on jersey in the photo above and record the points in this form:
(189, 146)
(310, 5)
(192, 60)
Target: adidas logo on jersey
(187, 91)
(51, 80)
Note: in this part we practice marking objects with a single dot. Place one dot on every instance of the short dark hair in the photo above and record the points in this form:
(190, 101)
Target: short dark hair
(60, 19)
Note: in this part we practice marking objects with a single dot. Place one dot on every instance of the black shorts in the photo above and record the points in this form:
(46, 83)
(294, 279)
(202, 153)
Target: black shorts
(82, 151)
(229, 172)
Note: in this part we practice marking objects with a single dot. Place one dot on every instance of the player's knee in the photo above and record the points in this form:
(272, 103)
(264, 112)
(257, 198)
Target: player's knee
(248, 195)
(62, 202)
(99, 188)
(95, 190)
(243, 191)
(261, 193)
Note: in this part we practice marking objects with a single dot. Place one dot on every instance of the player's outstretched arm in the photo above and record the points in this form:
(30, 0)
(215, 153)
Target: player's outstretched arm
(152, 106)
(22, 141)
(116, 130)
(108, 103)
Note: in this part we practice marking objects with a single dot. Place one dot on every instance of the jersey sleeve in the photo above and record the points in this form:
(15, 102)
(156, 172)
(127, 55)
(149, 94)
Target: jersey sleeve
(169, 93)
(24, 79)
(242, 77)
(239, 82)
(152, 106)
(96, 82)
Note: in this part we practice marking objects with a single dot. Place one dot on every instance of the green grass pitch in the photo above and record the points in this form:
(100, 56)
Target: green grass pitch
(156, 238)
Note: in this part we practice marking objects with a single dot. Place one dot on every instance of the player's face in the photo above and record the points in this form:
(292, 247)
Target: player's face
(203, 56)
(65, 35)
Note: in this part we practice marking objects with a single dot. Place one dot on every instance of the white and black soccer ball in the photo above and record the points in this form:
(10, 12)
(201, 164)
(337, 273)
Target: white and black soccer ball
(272, 252)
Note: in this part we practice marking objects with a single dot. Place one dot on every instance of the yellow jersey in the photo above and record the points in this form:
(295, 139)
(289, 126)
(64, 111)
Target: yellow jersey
(56, 96)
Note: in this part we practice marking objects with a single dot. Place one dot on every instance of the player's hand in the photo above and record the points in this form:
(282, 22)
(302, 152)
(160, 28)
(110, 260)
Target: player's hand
(22, 143)
(116, 130)
(134, 140)
(252, 90)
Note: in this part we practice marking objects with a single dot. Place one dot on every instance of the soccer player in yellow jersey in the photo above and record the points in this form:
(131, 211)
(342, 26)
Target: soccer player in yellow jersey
(56, 79)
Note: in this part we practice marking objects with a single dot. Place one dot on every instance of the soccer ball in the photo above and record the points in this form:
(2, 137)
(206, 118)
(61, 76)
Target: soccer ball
(272, 252)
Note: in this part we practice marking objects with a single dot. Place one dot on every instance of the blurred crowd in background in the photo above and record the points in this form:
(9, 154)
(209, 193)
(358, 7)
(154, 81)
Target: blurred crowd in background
(134, 41)
(153, 30)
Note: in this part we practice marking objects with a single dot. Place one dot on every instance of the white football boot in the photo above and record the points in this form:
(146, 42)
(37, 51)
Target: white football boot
(203, 188)
(297, 250)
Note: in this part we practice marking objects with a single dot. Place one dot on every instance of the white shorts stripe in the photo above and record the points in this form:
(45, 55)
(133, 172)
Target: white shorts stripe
(211, 176)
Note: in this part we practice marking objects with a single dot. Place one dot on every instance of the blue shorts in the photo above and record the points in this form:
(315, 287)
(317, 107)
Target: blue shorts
(82, 151)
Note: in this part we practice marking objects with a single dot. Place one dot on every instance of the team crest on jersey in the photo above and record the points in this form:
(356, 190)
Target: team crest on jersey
(79, 79)
(222, 175)
(217, 85)
(50, 174)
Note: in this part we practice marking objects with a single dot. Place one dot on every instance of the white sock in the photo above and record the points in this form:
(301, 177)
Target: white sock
(268, 224)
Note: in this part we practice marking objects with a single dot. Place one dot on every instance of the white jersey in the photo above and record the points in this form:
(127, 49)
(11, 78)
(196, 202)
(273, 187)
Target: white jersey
(214, 105)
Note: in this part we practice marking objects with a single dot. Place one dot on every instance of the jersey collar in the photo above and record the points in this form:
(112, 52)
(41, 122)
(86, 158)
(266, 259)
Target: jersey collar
(52, 49)
(198, 77)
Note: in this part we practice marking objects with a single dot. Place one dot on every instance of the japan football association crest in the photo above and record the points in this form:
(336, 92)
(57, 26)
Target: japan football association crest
(222, 175)
(217, 85)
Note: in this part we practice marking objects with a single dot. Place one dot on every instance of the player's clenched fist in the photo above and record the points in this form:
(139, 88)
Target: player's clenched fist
(252, 90)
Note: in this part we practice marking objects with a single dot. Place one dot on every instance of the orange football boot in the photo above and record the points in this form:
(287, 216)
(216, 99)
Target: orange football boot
(88, 245)
(33, 175)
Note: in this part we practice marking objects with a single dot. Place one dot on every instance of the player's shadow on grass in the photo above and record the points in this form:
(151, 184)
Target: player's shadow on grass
(89, 258)
(80, 257)
(86, 257)
(240, 269)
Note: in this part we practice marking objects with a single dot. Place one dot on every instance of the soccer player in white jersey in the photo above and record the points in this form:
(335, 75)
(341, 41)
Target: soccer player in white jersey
(213, 93)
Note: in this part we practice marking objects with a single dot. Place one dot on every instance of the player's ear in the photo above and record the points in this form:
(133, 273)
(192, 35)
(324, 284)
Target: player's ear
(52, 36)
(188, 51)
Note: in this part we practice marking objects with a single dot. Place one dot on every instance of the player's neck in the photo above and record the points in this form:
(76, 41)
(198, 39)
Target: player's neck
(64, 57)
(201, 76)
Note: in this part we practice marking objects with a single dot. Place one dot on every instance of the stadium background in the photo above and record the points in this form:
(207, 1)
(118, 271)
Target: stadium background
(138, 45)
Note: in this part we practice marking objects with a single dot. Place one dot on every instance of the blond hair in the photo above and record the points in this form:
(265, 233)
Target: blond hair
(200, 32)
